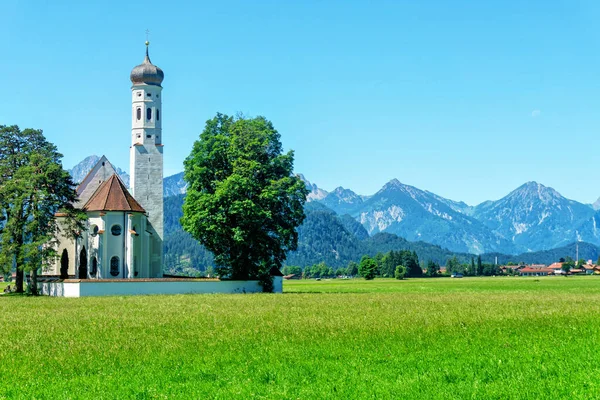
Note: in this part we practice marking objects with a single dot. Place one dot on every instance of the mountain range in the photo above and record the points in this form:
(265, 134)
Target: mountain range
(531, 218)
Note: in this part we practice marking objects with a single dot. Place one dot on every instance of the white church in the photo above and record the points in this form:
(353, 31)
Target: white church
(123, 239)
(124, 236)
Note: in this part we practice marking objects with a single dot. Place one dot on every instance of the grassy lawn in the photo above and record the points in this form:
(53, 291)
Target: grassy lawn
(484, 338)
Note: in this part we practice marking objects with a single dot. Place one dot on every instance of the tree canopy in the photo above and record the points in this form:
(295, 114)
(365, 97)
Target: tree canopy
(243, 202)
(33, 188)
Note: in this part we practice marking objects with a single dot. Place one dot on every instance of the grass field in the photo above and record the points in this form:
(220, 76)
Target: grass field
(484, 338)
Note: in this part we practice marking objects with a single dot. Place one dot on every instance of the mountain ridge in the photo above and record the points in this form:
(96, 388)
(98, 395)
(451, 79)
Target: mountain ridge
(532, 217)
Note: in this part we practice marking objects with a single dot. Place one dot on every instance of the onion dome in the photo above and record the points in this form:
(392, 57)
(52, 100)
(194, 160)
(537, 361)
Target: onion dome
(147, 73)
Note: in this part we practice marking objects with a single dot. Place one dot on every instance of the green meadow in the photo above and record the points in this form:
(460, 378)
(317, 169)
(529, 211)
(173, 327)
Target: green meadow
(483, 338)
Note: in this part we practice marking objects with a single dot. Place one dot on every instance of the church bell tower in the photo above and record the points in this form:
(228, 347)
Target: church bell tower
(146, 154)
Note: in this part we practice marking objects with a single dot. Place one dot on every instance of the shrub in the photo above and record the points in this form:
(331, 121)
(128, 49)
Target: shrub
(400, 272)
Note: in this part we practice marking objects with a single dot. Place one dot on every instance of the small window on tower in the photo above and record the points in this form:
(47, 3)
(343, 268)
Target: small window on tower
(149, 136)
(149, 94)
(157, 96)
(139, 94)
(148, 113)
(139, 114)
(157, 114)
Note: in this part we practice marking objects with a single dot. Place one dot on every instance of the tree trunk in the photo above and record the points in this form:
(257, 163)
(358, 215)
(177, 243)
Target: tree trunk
(19, 280)
(34, 282)
(19, 267)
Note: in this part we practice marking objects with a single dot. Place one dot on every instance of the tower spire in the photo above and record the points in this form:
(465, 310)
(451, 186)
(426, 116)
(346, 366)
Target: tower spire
(147, 43)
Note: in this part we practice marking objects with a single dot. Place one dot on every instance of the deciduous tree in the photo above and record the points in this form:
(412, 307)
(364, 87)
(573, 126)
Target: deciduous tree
(367, 268)
(243, 201)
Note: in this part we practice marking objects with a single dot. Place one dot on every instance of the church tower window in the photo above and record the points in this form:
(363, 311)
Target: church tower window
(139, 114)
(158, 115)
(114, 266)
(148, 113)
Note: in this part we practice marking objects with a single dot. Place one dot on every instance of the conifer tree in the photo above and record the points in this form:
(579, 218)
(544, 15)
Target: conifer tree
(33, 188)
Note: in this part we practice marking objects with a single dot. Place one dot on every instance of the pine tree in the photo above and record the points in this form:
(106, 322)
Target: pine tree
(479, 266)
(33, 188)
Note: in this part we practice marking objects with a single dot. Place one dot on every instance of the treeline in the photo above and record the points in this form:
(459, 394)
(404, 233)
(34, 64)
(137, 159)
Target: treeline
(381, 265)
(396, 264)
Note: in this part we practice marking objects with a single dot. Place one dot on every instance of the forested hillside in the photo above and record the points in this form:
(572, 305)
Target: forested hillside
(323, 237)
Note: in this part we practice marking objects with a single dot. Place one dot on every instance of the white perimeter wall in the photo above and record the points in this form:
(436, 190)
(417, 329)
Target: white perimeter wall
(121, 288)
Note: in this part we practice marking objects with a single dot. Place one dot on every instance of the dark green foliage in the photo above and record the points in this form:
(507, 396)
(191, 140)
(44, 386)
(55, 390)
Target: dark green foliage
(292, 270)
(587, 251)
(320, 270)
(367, 268)
(33, 188)
(243, 202)
(352, 269)
(433, 268)
(568, 265)
(472, 270)
(479, 266)
(453, 266)
(354, 227)
(411, 262)
(183, 253)
(323, 237)
(400, 272)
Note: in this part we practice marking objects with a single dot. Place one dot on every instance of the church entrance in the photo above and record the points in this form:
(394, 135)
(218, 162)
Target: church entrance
(83, 264)
(64, 264)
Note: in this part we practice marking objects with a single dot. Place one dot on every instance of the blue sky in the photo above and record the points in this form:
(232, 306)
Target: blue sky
(466, 99)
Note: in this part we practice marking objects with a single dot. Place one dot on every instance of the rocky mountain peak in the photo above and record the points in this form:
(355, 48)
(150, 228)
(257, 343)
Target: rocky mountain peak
(535, 192)
(316, 193)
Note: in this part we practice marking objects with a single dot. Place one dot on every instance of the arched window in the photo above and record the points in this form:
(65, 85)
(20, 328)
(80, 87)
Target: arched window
(157, 114)
(64, 265)
(148, 113)
(95, 230)
(94, 267)
(83, 264)
(139, 113)
(116, 230)
(114, 266)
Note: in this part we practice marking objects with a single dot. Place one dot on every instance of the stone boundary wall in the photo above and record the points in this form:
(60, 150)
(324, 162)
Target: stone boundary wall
(88, 288)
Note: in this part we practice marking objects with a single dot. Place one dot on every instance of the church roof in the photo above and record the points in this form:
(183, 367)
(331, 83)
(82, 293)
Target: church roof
(112, 195)
(147, 73)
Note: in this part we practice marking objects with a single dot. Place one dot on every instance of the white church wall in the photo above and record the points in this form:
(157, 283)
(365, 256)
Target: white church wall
(114, 244)
(64, 243)
(59, 289)
(133, 287)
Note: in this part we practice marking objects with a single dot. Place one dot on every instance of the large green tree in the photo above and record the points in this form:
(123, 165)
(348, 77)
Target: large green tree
(33, 188)
(367, 268)
(243, 201)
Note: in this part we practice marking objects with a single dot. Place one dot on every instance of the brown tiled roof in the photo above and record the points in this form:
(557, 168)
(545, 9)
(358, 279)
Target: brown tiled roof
(544, 270)
(112, 195)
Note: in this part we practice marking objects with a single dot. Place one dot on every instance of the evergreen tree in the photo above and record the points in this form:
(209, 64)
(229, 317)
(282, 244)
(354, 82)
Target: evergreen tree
(479, 266)
(352, 269)
(433, 268)
(33, 188)
(473, 268)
